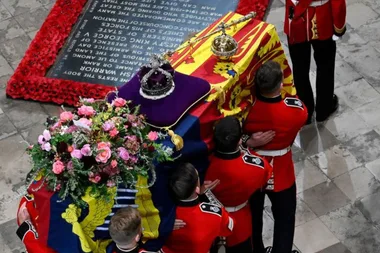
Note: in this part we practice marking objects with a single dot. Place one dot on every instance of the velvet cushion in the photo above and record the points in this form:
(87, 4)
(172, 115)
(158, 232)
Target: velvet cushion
(167, 111)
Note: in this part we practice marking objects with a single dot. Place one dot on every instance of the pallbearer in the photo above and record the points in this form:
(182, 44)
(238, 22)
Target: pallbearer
(241, 173)
(313, 24)
(286, 117)
(204, 221)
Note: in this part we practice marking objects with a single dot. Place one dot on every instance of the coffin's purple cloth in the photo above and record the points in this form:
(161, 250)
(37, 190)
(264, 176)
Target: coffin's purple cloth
(166, 111)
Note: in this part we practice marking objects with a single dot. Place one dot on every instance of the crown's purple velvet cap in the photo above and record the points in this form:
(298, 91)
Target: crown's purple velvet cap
(156, 77)
(166, 111)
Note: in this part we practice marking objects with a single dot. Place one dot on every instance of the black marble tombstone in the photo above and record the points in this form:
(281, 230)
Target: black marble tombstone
(113, 38)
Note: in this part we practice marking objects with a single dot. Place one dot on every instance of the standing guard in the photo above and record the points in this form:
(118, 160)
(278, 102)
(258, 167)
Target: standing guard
(315, 24)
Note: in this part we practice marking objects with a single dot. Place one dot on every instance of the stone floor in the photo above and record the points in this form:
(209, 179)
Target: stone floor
(337, 163)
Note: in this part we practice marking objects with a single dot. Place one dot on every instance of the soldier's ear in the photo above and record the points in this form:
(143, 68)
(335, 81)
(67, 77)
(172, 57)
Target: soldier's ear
(198, 190)
(138, 237)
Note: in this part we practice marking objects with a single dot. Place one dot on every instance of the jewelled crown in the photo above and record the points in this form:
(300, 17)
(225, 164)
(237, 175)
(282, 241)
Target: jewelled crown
(156, 78)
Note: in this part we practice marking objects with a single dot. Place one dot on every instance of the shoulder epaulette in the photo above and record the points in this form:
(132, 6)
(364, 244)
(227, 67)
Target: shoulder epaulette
(28, 197)
(211, 198)
(294, 102)
(253, 160)
(211, 209)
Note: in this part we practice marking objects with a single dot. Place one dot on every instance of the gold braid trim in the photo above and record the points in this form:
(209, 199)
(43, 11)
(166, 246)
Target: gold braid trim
(340, 30)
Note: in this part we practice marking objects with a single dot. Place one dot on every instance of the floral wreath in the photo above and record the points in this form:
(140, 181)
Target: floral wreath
(98, 146)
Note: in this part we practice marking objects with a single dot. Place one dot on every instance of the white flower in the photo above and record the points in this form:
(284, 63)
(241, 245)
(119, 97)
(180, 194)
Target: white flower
(63, 130)
(80, 124)
(168, 151)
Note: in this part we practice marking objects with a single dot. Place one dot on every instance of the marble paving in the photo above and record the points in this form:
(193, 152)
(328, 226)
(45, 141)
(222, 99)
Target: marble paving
(337, 163)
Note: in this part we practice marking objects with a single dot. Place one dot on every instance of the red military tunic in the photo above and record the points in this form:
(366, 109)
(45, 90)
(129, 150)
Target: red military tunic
(204, 223)
(240, 174)
(286, 117)
(314, 19)
(27, 231)
(116, 249)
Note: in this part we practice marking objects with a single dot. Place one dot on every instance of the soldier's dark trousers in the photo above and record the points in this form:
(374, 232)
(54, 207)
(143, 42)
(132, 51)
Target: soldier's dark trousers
(324, 56)
(284, 209)
(243, 247)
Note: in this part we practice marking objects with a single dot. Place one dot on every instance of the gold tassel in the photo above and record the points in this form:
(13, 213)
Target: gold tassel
(176, 140)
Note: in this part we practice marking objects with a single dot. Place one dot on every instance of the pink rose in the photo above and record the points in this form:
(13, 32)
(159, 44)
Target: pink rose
(123, 153)
(110, 183)
(95, 179)
(76, 153)
(86, 110)
(66, 116)
(113, 163)
(46, 146)
(114, 132)
(104, 152)
(108, 126)
(85, 121)
(86, 150)
(56, 125)
(58, 167)
(103, 144)
(119, 102)
(153, 135)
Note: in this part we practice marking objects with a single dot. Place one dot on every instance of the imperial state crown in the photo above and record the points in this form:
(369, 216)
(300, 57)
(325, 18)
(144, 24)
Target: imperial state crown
(156, 78)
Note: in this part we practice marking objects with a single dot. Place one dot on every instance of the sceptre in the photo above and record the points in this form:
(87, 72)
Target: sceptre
(222, 28)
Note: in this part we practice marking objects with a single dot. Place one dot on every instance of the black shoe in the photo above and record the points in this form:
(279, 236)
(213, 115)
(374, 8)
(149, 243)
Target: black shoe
(335, 106)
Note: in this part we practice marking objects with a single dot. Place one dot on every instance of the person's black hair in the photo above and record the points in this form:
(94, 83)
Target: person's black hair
(268, 77)
(183, 181)
(227, 134)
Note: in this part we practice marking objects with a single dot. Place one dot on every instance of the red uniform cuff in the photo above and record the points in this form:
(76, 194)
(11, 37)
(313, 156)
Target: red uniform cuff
(24, 229)
(339, 31)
